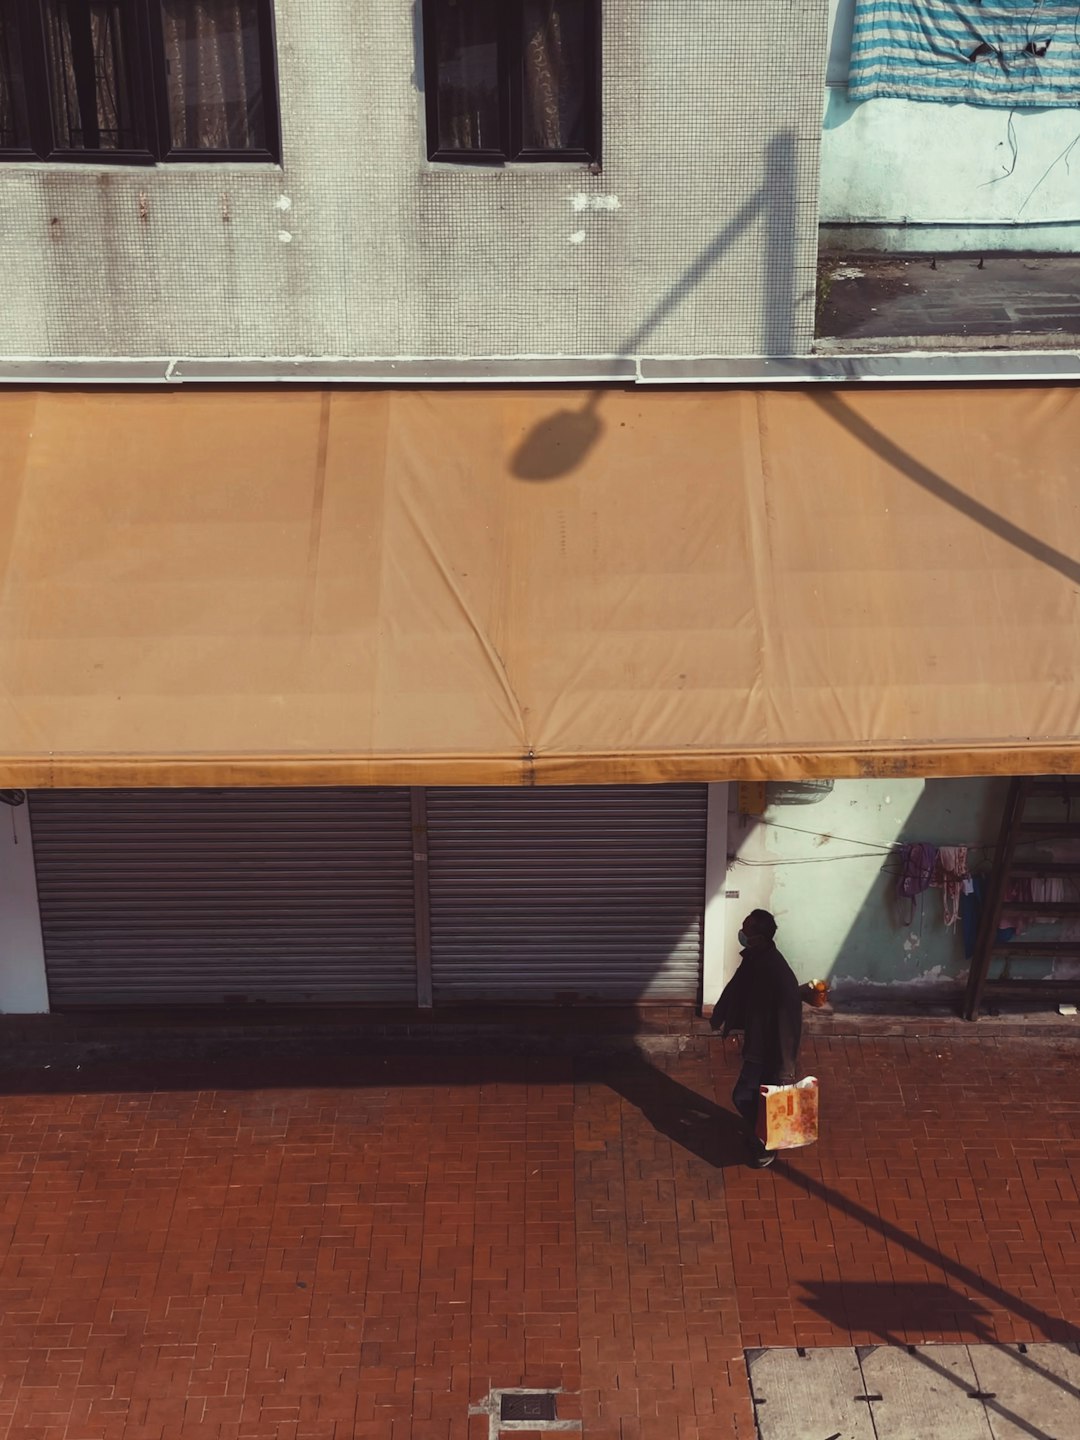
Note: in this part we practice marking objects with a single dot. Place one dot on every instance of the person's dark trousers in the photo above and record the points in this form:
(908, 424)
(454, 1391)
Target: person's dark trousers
(745, 1098)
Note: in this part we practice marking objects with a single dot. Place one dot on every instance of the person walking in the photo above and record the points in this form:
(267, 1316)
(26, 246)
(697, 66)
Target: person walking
(763, 1000)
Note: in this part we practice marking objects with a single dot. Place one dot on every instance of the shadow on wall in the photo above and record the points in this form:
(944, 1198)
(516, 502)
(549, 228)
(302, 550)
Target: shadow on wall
(829, 873)
(898, 459)
(417, 76)
(560, 442)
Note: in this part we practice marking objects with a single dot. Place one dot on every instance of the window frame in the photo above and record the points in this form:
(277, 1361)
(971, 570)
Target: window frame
(511, 71)
(145, 35)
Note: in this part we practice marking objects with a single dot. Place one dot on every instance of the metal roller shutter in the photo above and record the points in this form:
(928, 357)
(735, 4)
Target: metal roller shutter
(586, 892)
(163, 897)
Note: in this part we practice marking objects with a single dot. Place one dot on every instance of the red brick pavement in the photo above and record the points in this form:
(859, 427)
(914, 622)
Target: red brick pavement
(367, 1249)
(941, 1204)
(661, 1353)
(310, 1263)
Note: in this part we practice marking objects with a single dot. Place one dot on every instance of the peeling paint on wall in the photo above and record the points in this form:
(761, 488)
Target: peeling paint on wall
(581, 201)
(937, 977)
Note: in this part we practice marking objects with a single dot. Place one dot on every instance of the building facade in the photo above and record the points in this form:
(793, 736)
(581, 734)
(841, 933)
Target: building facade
(693, 232)
(376, 690)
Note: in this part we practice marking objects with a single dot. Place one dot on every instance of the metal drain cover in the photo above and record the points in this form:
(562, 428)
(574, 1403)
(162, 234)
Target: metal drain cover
(537, 1406)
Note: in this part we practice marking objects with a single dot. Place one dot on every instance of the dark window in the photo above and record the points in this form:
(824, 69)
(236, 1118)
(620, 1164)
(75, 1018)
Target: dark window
(512, 79)
(137, 80)
(88, 54)
(14, 128)
(214, 77)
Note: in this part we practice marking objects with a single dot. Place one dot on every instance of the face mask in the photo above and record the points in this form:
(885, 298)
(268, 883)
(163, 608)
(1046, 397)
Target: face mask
(744, 939)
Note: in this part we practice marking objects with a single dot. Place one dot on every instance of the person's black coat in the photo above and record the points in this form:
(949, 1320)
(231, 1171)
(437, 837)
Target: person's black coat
(762, 1000)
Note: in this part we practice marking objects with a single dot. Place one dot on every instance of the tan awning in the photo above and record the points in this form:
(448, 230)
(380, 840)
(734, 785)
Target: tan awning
(515, 587)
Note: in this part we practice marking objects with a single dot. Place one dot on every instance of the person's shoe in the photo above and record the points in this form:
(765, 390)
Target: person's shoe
(762, 1160)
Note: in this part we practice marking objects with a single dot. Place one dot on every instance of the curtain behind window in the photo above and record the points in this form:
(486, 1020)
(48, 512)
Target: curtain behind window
(554, 74)
(89, 77)
(467, 33)
(214, 74)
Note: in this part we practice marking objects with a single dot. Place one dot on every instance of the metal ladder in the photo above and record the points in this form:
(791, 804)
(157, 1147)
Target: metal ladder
(1017, 829)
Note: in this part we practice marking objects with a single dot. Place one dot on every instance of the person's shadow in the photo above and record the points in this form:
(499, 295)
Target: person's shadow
(689, 1120)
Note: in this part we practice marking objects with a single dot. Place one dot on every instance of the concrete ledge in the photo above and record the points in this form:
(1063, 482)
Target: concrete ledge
(341, 1032)
(180, 1036)
(891, 360)
(1066, 347)
(938, 1021)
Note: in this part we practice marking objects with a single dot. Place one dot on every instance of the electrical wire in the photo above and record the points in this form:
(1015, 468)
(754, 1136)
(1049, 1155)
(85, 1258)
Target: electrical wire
(1053, 164)
(827, 835)
(814, 860)
(1010, 135)
(875, 850)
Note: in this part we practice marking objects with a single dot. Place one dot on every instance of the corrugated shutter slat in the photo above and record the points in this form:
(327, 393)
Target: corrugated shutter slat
(157, 897)
(593, 892)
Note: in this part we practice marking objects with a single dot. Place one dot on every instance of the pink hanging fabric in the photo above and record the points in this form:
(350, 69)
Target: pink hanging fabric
(952, 875)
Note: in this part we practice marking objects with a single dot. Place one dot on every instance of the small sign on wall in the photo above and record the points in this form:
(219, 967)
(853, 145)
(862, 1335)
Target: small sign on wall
(752, 798)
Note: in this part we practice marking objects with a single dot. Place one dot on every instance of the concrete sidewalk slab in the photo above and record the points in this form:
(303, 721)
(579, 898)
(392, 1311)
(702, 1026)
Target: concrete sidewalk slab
(912, 1392)
(810, 1394)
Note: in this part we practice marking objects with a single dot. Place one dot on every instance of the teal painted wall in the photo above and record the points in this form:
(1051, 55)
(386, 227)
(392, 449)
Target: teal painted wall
(823, 867)
(916, 176)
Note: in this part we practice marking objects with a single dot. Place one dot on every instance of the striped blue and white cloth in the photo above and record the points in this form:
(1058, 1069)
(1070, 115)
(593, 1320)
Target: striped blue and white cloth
(998, 52)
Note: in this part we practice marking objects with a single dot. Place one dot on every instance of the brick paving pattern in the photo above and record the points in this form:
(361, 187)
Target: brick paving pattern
(941, 1206)
(328, 1249)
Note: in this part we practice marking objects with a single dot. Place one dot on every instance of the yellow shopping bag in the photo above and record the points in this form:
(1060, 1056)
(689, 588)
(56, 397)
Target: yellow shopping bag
(788, 1115)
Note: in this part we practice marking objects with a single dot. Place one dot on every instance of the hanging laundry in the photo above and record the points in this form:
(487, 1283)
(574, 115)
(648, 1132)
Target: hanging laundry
(971, 910)
(952, 875)
(1019, 893)
(917, 865)
(1070, 929)
(1048, 888)
(1065, 852)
